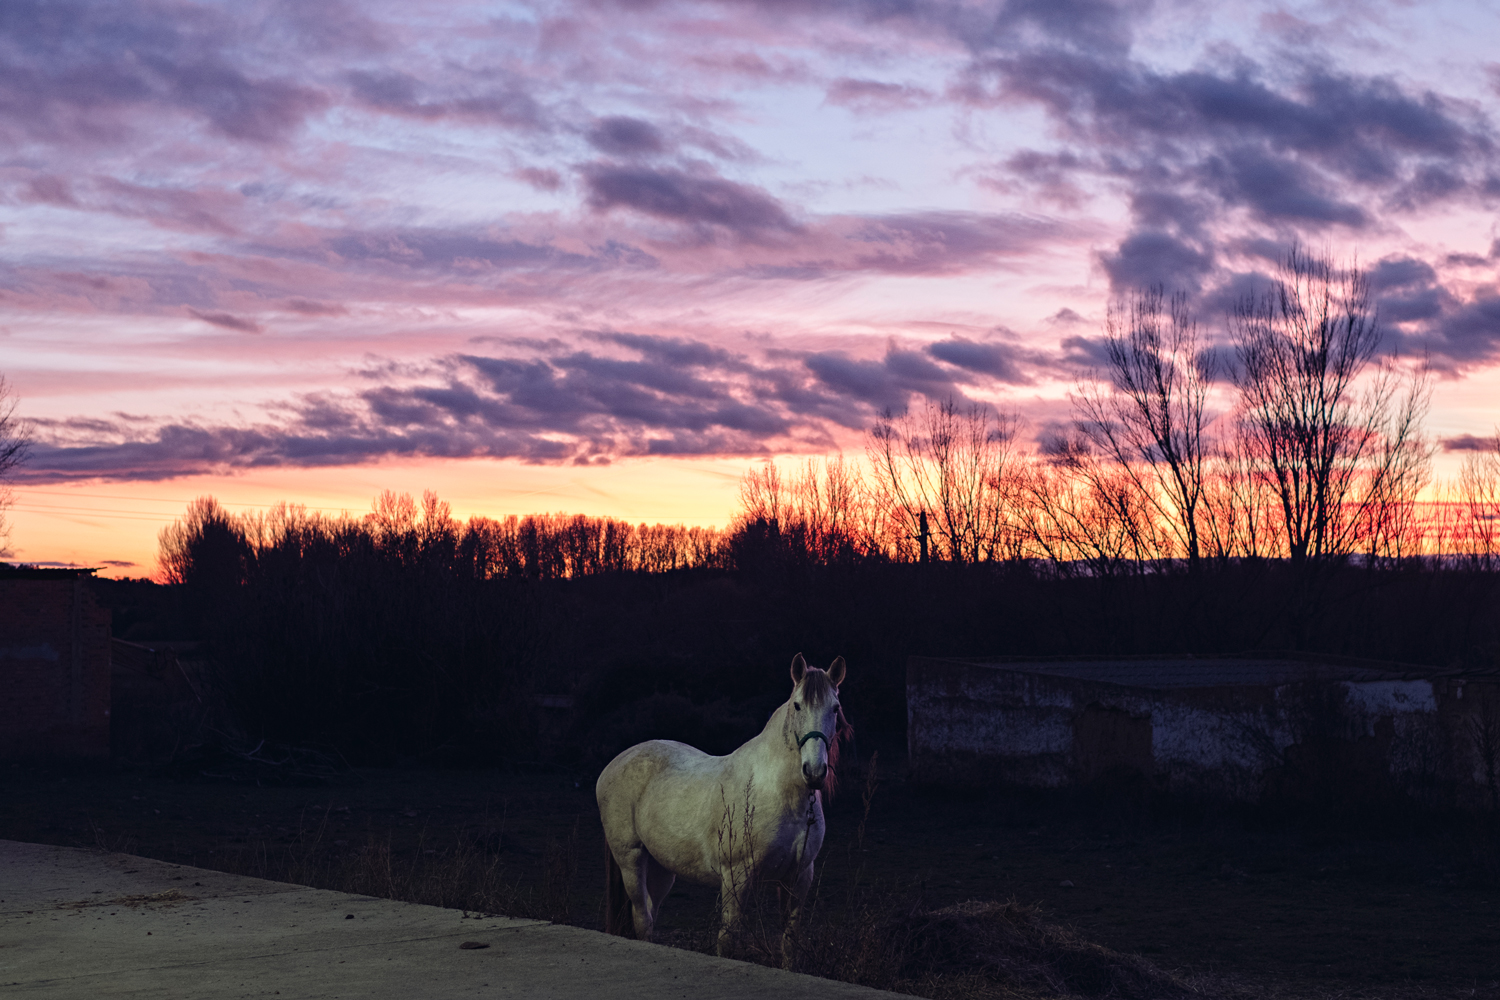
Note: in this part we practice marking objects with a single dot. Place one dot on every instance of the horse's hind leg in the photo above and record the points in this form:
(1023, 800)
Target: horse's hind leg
(659, 882)
(647, 883)
(617, 905)
(634, 873)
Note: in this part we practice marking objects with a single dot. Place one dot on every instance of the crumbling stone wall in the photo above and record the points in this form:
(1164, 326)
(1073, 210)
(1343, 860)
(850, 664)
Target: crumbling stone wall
(1369, 735)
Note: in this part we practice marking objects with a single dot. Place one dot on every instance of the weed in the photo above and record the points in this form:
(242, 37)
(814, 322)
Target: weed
(867, 797)
(561, 868)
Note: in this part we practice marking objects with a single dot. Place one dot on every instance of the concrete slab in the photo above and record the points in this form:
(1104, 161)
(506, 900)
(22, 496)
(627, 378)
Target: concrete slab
(77, 923)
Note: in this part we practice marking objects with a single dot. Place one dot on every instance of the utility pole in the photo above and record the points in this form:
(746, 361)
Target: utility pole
(923, 534)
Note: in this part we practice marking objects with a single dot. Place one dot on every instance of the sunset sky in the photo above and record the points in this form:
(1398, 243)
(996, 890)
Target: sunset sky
(600, 257)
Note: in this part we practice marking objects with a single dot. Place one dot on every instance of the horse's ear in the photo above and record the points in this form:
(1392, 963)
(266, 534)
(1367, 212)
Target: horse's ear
(836, 671)
(799, 668)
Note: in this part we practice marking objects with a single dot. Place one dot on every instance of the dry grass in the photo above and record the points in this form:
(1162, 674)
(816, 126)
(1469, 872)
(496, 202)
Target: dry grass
(987, 950)
(982, 949)
(1238, 988)
(887, 939)
(884, 937)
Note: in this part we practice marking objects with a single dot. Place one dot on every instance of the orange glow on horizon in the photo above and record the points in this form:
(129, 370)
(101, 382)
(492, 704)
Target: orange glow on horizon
(115, 525)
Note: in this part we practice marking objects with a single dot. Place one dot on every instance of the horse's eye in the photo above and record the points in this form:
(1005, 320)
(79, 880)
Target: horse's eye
(796, 706)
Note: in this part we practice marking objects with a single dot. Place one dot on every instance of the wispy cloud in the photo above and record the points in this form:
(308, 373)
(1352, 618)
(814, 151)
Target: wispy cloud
(625, 395)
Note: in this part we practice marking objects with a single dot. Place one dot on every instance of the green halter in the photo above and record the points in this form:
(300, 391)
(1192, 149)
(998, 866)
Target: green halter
(810, 734)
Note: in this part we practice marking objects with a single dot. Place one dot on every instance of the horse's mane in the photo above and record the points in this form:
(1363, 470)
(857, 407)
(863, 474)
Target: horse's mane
(815, 684)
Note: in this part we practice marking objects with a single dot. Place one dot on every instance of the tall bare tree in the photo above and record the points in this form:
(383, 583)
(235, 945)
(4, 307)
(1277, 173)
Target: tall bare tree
(948, 465)
(1478, 530)
(820, 510)
(1336, 453)
(1237, 517)
(1153, 424)
(828, 501)
(15, 447)
(1081, 513)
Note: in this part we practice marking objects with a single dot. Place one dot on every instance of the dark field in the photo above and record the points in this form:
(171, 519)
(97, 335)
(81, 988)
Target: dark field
(1236, 905)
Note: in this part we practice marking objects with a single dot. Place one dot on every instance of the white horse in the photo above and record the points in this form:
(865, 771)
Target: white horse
(672, 811)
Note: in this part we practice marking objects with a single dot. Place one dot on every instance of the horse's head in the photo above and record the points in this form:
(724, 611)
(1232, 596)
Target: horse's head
(815, 720)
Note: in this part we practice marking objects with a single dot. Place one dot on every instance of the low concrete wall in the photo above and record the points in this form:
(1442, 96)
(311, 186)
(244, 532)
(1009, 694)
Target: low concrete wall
(973, 722)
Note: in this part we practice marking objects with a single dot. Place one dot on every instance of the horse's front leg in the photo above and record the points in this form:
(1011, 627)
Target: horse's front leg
(732, 887)
(792, 901)
(796, 894)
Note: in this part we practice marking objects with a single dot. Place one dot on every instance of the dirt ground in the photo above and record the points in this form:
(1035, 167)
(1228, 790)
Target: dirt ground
(1326, 905)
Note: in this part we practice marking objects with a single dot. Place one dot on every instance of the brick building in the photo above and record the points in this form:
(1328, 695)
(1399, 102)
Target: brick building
(54, 666)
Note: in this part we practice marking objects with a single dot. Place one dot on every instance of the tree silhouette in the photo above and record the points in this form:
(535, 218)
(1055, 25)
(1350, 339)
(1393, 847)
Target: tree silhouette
(15, 447)
(1339, 460)
(1153, 424)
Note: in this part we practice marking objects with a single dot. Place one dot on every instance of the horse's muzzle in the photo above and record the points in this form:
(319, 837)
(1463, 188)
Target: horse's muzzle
(815, 776)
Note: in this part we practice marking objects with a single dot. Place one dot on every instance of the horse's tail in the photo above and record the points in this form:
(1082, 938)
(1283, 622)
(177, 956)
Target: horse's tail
(617, 916)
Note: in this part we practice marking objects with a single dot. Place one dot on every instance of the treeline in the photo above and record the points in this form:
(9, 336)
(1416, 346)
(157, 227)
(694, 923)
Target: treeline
(534, 547)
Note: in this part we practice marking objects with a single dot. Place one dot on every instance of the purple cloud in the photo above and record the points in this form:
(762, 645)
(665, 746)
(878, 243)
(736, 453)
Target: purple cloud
(876, 95)
(499, 102)
(1470, 442)
(73, 67)
(1150, 257)
(669, 396)
(1001, 362)
(708, 203)
(227, 320)
(620, 135)
(1300, 149)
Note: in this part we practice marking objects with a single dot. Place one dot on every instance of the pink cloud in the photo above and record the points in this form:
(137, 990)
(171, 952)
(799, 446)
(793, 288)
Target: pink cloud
(876, 96)
(226, 320)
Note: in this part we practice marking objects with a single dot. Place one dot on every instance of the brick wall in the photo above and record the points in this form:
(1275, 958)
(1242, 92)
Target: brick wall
(54, 667)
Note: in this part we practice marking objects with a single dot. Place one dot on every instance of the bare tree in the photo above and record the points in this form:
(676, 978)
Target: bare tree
(15, 447)
(763, 494)
(945, 465)
(1336, 456)
(828, 501)
(1080, 512)
(1153, 424)
(1478, 533)
(1238, 503)
(821, 511)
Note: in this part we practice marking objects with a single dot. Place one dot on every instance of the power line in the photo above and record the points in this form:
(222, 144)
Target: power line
(80, 512)
(230, 503)
(163, 517)
(111, 496)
